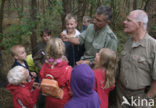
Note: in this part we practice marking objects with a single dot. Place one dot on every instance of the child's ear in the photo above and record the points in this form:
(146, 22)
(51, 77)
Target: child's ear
(75, 24)
(16, 57)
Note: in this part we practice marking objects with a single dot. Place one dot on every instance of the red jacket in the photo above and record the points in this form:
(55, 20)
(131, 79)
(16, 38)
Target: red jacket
(61, 72)
(99, 87)
(23, 94)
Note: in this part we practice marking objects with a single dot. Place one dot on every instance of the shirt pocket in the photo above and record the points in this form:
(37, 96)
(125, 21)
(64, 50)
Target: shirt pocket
(142, 63)
(98, 46)
(123, 53)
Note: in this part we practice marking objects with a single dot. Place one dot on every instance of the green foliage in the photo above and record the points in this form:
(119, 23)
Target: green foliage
(153, 31)
(122, 38)
(14, 34)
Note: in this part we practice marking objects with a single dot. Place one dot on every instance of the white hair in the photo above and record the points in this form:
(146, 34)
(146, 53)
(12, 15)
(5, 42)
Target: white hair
(16, 75)
(141, 16)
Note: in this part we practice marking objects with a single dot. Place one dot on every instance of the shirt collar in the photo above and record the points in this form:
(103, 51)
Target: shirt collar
(142, 42)
(102, 29)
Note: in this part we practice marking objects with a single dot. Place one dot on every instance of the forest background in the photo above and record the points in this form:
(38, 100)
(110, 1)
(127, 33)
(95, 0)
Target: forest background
(22, 20)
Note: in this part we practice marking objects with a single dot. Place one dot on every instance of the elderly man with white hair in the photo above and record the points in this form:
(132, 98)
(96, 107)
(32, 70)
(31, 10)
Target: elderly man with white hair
(136, 84)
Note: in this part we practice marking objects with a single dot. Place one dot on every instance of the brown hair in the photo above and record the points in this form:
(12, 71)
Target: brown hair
(15, 48)
(87, 18)
(108, 60)
(46, 31)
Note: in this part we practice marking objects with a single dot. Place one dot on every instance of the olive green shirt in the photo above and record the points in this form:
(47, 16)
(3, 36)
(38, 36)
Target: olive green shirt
(138, 63)
(96, 40)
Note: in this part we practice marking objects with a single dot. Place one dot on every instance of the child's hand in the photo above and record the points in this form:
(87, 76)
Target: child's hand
(36, 85)
(64, 37)
(64, 58)
(82, 62)
(33, 74)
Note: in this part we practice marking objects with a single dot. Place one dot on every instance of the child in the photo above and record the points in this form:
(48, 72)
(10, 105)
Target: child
(82, 85)
(19, 54)
(57, 67)
(72, 51)
(31, 64)
(105, 74)
(86, 22)
(24, 96)
(38, 52)
(39, 57)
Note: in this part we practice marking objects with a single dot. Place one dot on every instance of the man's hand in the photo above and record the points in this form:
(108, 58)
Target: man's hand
(64, 37)
(152, 91)
(83, 62)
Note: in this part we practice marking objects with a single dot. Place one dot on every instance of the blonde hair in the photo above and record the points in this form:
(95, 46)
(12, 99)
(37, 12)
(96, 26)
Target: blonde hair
(70, 16)
(55, 48)
(16, 75)
(15, 48)
(108, 60)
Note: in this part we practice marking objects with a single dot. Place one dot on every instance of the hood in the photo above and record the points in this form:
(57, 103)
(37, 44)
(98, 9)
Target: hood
(58, 72)
(82, 80)
(58, 69)
(14, 89)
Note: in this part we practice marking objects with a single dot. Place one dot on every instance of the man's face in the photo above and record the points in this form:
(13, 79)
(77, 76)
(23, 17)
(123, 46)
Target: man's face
(71, 25)
(130, 24)
(46, 37)
(21, 54)
(99, 21)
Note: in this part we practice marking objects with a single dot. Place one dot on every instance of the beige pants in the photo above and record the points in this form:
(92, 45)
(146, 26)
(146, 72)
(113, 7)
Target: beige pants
(132, 98)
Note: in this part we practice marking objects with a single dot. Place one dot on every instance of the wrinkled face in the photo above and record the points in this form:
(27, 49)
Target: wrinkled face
(130, 24)
(97, 58)
(71, 25)
(21, 54)
(46, 37)
(99, 21)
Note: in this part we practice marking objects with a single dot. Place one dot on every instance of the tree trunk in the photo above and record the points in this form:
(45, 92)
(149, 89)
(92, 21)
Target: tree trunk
(43, 11)
(134, 4)
(81, 11)
(150, 8)
(1, 33)
(1, 19)
(91, 11)
(33, 37)
(66, 9)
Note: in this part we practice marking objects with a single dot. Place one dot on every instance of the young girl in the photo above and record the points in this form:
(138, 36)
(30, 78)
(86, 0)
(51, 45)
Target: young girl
(105, 69)
(23, 92)
(57, 67)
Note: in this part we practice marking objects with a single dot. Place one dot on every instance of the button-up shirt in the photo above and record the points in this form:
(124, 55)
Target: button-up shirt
(138, 63)
(95, 40)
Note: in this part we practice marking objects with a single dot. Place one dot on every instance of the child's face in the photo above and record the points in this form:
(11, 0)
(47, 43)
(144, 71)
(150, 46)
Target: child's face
(86, 23)
(46, 37)
(97, 58)
(21, 54)
(71, 25)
